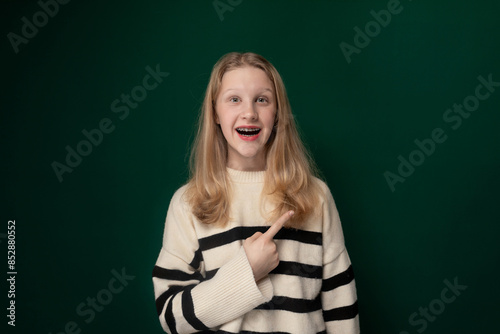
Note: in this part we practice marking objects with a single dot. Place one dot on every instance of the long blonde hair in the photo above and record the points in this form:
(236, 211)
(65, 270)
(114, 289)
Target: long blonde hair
(290, 171)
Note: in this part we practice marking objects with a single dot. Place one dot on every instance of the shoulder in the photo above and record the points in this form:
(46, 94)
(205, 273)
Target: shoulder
(326, 202)
(179, 223)
(324, 193)
(180, 194)
(332, 227)
(179, 198)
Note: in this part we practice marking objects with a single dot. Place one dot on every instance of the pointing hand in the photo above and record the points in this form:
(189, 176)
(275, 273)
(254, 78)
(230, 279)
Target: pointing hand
(261, 249)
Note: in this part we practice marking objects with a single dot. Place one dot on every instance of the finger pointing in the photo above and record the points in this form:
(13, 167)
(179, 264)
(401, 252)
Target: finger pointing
(276, 227)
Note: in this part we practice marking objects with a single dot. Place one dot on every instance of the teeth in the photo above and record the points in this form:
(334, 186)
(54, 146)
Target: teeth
(248, 132)
(247, 129)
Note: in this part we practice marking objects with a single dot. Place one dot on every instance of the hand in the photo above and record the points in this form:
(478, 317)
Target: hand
(261, 250)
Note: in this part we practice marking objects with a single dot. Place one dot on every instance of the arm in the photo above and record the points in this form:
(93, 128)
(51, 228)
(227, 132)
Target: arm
(338, 292)
(186, 302)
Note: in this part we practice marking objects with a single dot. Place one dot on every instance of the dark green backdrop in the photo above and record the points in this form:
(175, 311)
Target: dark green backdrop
(356, 117)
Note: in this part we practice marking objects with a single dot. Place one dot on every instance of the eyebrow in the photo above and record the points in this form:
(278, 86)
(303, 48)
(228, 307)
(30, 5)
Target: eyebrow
(230, 89)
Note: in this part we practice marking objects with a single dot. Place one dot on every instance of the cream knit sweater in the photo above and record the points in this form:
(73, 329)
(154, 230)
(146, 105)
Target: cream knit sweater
(203, 281)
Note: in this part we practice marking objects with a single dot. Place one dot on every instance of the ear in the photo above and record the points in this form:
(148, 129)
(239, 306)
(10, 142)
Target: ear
(216, 118)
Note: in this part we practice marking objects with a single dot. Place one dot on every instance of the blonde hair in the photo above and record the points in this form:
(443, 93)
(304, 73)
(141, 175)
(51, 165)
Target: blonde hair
(290, 171)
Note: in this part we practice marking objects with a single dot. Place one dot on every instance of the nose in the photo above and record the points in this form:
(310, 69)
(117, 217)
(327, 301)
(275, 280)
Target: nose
(250, 113)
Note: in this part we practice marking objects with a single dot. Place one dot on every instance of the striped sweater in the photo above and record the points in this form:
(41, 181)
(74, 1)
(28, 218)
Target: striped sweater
(203, 281)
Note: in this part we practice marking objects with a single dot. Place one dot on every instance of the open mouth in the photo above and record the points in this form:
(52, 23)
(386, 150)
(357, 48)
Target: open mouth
(248, 132)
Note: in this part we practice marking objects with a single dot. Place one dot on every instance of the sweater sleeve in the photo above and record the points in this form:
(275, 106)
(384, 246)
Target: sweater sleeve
(338, 291)
(186, 301)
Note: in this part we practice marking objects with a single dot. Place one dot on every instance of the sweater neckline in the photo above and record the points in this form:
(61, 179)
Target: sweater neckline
(242, 176)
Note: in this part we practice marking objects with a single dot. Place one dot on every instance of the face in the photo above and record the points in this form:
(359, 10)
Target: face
(245, 110)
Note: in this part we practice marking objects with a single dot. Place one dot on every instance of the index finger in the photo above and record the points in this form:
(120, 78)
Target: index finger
(276, 227)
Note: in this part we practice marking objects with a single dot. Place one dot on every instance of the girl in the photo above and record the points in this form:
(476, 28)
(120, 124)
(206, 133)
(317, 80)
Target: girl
(227, 265)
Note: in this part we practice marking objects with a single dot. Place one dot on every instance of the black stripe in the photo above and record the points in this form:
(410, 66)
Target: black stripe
(188, 311)
(287, 268)
(198, 257)
(169, 317)
(220, 331)
(295, 305)
(248, 332)
(243, 232)
(162, 299)
(298, 269)
(334, 282)
(307, 237)
(175, 275)
(211, 273)
(341, 313)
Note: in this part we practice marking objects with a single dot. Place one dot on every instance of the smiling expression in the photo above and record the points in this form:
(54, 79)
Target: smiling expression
(245, 110)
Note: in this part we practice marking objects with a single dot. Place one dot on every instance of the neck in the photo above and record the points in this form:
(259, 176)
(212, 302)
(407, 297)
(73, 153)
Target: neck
(247, 166)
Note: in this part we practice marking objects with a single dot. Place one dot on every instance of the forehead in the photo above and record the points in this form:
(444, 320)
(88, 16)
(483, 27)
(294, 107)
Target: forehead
(246, 78)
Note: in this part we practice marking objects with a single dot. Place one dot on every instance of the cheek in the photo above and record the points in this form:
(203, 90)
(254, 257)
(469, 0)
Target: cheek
(225, 125)
(224, 121)
(269, 118)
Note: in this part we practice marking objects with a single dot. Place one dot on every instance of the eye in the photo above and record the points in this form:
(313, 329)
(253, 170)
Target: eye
(262, 100)
(234, 99)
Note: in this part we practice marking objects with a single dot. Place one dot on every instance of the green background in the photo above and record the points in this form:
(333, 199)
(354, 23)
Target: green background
(356, 118)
